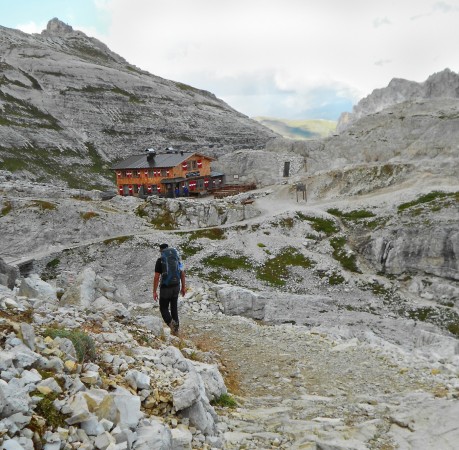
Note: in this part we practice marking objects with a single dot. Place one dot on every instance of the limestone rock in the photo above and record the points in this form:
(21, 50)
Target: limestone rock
(33, 286)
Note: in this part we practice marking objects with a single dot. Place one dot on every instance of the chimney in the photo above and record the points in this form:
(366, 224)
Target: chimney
(151, 153)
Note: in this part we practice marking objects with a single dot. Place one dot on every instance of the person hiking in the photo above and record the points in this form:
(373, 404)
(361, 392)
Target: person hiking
(170, 274)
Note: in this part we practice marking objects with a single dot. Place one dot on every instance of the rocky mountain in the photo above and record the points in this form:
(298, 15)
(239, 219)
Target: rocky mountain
(443, 84)
(69, 107)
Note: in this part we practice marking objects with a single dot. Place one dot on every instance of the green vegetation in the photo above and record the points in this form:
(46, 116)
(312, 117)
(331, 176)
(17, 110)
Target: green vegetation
(164, 220)
(214, 234)
(334, 278)
(261, 245)
(347, 260)
(319, 224)
(352, 215)
(84, 344)
(45, 163)
(46, 409)
(275, 270)
(225, 401)
(227, 262)
(88, 215)
(43, 205)
(20, 113)
(428, 198)
(189, 249)
(50, 271)
(140, 211)
(118, 240)
(299, 129)
(7, 207)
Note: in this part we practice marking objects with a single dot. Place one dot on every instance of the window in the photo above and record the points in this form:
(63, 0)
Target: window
(193, 165)
(164, 172)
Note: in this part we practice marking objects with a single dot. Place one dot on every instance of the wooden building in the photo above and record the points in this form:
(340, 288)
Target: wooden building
(169, 174)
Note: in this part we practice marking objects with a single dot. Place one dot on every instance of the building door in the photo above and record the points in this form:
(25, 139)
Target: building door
(286, 168)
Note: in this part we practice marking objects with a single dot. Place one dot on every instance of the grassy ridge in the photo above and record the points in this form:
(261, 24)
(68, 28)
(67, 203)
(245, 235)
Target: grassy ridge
(298, 129)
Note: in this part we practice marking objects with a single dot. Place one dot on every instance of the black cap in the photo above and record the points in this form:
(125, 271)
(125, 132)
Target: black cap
(163, 246)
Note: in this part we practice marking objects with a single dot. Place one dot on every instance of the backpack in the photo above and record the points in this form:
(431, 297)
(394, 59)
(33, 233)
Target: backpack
(171, 267)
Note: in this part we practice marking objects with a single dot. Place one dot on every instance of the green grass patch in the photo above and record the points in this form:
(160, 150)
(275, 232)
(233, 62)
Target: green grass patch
(227, 262)
(351, 215)
(7, 207)
(225, 401)
(189, 249)
(117, 240)
(275, 270)
(84, 344)
(427, 198)
(261, 245)
(347, 261)
(319, 224)
(214, 234)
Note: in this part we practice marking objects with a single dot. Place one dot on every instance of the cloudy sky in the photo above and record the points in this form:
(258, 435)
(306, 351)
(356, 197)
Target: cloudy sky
(297, 59)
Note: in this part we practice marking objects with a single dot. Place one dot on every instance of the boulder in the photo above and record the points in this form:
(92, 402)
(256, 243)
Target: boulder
(8, 274)
(237, 301)
(82, 292)
(34, 287)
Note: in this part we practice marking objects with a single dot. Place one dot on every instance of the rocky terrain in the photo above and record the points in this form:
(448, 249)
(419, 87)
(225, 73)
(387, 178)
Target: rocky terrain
(322, 308)
(320, 341)
(67, 101)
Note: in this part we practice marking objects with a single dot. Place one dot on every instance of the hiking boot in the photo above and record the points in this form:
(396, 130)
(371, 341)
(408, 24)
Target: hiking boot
(174, 327)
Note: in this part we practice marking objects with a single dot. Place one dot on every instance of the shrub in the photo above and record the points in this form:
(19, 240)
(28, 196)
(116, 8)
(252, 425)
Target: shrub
(225, 400)
(46, 409)
(227, 262)
(84, 344)
(118, 240)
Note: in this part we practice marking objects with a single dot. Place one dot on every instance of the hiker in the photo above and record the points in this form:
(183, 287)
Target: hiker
(170, 288)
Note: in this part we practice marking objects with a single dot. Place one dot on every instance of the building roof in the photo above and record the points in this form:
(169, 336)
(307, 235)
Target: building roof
(161, 160)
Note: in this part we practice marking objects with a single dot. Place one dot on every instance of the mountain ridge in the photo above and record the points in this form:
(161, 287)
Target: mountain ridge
(67, 100)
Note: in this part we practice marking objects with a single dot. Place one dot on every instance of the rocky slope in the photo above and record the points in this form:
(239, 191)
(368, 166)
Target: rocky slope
(67, 101)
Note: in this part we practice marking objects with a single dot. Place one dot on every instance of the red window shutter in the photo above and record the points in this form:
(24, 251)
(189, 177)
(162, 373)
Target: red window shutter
(159, 188)
(199, 163)
(184, 165)
(121, 189)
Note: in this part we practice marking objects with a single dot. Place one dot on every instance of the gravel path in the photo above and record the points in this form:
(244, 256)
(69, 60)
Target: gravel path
(296, 387)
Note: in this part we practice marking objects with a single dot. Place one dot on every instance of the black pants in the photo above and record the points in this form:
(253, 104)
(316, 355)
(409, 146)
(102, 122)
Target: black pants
(168, 298)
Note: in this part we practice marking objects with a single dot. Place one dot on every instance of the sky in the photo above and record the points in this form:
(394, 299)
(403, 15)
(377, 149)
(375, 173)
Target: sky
(291, 59)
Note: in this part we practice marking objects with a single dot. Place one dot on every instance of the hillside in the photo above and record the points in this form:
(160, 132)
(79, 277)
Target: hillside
(66, 100)
(298, 129)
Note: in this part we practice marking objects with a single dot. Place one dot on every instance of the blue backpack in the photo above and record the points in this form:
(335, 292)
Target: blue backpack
(171, 267)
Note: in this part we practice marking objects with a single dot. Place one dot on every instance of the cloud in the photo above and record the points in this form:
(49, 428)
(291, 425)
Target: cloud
(32, 27)
(381, 21)
(286, 57)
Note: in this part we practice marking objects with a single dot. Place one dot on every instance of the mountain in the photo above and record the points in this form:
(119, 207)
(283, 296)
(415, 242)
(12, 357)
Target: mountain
(298, 129)
(69, 107)
(444, 84)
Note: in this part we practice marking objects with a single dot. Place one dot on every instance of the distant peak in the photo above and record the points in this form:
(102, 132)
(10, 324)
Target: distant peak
(57, 27)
